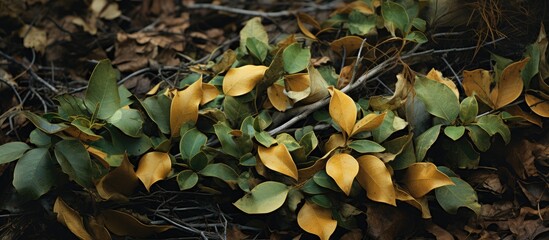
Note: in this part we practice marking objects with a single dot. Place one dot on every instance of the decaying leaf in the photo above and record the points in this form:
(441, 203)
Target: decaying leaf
(316, 220)
(125, 224)
(277, 97)
(539, 106)
(421, 178)
(343, 168)
(278, 159)
(118, 184)
(437, 76)
(153, 167)
(71, 218)
(34, 37)
(421, 203)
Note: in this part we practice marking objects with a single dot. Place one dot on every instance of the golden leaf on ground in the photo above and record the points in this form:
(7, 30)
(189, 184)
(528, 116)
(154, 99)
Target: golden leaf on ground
(119, 183)
(478, 82)
(34, 38)
(335, 140)
(318, 86)
(360, 6)
(316, 220)
(153, 167)
(368, 123)
(376, 179)
(342, 110)
(70, 218)
(349, 43)
(298, 86)
(305, 18)
(125, 224)
(277, 97)
(530, 117)
(184, 107)
(422, 177)
(509, 87)
(242, 80)
(278, 159)
(343, 168)
(209, 93)
(421, 204)
(539, 106)
(437, 76)
(308, 172)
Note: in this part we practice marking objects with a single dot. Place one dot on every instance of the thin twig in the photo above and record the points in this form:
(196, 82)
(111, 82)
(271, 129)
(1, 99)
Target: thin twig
(452, 69)
(284, 13)
(31, 72)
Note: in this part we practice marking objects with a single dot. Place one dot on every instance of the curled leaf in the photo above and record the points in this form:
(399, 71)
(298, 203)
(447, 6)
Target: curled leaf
(70, 218)
(278, 159)
(125, 224)
(343, 168)
(316, 220)
(153, 167)
(242, 80)
(118, 183)
(421, 178)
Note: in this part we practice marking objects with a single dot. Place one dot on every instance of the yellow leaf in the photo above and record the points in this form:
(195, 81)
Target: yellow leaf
(336, 140)
(298, 86)
(530, 117)
(308, 172)
(421, 178)
(153, 167)
(277, 97)
(539, 106)
(318, 86)
(242, 80)
(478, 82)
(349, 43)
(342, 110)
(343, 168)
(184, 107)
(437, 76)
(509, 87)
(70, 218)
(316, 220)
(421, 203)
(209, 93)
(98, 229)
(368, 123)
(124, 224)
(98, 154)
(154, 89)
(119, 183)
(278, 159)
(376, 179)
(34, 38)
(305, 18)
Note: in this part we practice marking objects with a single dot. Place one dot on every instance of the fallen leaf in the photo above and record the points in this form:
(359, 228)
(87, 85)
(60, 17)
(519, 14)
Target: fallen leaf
(153, 167)
(421, 203)
(316, 220)
(509, 87)
(70, 218)
(209, 93)
(34, 38)
(477, 82)
(348, 45)
(125, 224)
(342, 110)
(242, 80)
(277, 97)
(376, 179)
(539, 106)
(119, 183)
(278, 159)
(302, 19)
(421, 178)
(184, 107)
(343, 168)
(336, 140)
(368, 123)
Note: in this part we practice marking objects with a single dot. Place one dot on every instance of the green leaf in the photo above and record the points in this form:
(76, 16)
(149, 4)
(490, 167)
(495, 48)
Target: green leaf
(532, 67)
(129, 121)
(102, 93)
(391, 124)
(324, 180)
(480, 138)
(70, 106)
(417, 37)
(322, 200)
(255, 29)
(35, 173)
(452, 197)
(366, 146)
(39, 138)
(438, 98)
(264, 138)
(361, 24)
(75, 161)
(468, 109)
(248, 160)
(199, 161)
(158, 109)
(262, 121)
(454, 132)
(264, 198)
(424, 141)
(257, 48)
(191, 143)
(125, 96)
(403, 147)
(296, 58)
(84, 124)
(288, 140)
(309, 142)
(493, 124)
(221, 171)
(419, 23)
(124, 143)
(459, 154)
(12, 151)
(187, 179)
(310, 187)
(395, 17)
(43, 124)
(236, 110)
(228, 145)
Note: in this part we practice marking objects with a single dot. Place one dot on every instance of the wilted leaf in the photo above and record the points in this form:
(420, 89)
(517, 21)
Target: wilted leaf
(33, 37)
(102, 98)
(342, 110)
(368, 123)
(425, 141)
(153, 167)
(305, 18)
(242, 80)
(421, 178)
(438, 98)
(335, 140)
(316, 220)
(461, 194)
(119, 183)
(296, 58)
(278, 159)
(348, 44)
(539, 106)
(263, 198)
(343, 168)
(35, 173)
(277, 97)
(12, 151)
(125, 224)
(184, 107)
(376, 179)
(187, 179)
(70, 218)
(477, 82)
(318, 86)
